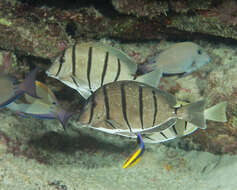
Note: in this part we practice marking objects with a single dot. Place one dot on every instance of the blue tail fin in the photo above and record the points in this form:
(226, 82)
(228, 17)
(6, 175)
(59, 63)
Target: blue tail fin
(136, 156)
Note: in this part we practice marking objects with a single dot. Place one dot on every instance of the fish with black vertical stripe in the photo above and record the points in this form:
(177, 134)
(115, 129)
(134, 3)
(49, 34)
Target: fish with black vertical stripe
(87, 66)
(130, 108)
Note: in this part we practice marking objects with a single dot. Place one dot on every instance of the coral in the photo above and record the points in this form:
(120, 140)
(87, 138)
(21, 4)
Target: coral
(225, 13)
(141, 8)
(228, 12)
(5, 61)
(188, 5)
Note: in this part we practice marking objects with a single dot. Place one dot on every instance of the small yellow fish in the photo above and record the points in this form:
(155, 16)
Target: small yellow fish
(45, 107)
(136, 156)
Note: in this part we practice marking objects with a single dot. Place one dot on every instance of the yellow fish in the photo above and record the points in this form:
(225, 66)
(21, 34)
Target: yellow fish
(45, 107)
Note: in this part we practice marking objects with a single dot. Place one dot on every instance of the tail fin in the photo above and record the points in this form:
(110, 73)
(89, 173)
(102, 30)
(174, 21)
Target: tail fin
(63, 117)
(28, 85)
(194, 113)
(216, 112)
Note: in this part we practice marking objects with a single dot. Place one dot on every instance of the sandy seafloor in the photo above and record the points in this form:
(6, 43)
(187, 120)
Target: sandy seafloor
(39, 155)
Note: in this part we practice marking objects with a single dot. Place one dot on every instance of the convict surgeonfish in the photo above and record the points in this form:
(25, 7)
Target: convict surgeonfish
(11, 90)
(44, 107)
(87, 66)
(181, 58)
(129, 108)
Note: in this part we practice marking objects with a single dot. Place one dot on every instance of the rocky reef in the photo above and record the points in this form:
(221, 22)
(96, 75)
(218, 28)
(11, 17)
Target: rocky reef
(34, 33)
(43, 30)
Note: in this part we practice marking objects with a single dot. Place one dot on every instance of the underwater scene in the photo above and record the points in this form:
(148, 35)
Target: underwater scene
(118, 95)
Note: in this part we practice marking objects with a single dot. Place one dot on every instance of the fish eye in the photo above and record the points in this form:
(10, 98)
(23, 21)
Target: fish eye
(199, 52)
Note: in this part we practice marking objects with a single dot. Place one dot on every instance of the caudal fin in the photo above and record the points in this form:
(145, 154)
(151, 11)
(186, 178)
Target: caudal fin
(28, 85)
(194, 113)
(63, 117)
(216, 112)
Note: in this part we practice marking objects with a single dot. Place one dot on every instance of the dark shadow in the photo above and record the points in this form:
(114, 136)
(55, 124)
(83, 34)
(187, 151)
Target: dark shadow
(54, 144)
(103, 6)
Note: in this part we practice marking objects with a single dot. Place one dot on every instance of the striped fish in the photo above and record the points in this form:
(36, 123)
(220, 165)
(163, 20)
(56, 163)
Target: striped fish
(88, 66)
(136, 110)
(128, 107)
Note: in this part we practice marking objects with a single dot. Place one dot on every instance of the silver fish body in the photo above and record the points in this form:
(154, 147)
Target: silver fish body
(184, 57)
(181, 58)
(87, 66)
(128, 107)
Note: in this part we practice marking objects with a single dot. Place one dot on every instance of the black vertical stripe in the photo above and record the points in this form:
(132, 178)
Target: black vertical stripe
(61, 61)
(106, 103)
(185, 125)
(74, 60)
(118, 71)
(163, 135)
(75, 82)
(110, 124)
(124, 105)
(104, 68)
(174, 129)
(141, 105)
(155, 107)
(92, 108)
(89, 66)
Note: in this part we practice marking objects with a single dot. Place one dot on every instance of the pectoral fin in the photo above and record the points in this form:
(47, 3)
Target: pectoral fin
(152, 78)
(136, 156)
